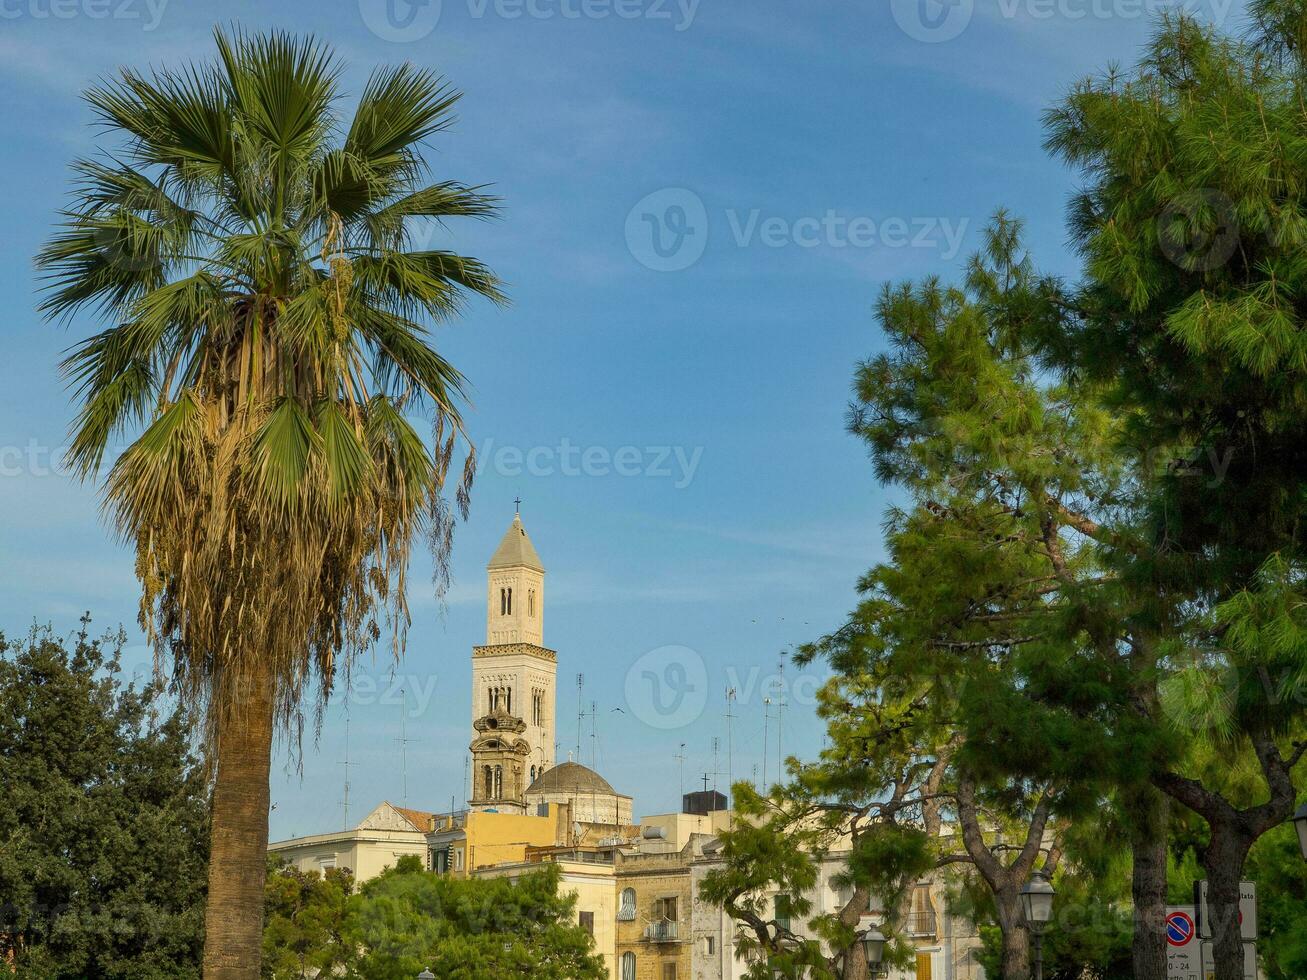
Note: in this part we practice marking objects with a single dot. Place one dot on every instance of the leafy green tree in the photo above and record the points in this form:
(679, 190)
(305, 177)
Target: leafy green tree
(1276, 864)
(304, 922)
(261, 265)
(1191, 223)
(408, 920)
(103, 818)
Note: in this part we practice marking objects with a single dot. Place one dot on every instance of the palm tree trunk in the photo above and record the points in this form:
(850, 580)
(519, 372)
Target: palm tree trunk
(233, 918)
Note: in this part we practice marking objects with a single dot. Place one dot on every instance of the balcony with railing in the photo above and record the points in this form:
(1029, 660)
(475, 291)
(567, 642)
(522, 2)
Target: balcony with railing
(662, 931)
(921, 922)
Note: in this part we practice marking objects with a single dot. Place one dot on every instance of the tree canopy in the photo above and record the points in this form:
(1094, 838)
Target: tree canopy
(103, 817)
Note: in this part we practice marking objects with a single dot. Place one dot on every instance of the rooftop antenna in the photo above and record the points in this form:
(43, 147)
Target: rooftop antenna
(730, 744)
(345, 762)
(680, 757)
(594, 738)
(403, 741)
(580, 713)
(766, 714)
(780, 708)
(716, 768)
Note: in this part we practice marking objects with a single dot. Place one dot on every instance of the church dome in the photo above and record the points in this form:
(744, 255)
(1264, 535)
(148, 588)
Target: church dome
(570, 778)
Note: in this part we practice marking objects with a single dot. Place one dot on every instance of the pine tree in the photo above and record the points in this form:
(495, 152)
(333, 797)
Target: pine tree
(103, 818)
(1192, 224)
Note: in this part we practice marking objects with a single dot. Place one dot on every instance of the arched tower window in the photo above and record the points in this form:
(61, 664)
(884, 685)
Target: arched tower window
(508, 700)
(531, 603)
(489, 782)
(509, 610)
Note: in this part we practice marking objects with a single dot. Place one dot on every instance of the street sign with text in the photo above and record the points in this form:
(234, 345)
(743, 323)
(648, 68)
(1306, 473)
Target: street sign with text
(1247, 911)
(1249, 961)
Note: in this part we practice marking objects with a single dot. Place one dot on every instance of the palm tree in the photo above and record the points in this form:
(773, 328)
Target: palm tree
(267, 303)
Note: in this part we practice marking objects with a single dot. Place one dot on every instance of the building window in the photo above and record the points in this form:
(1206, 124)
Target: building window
(921, 918)
(626, 911)
(531, 603)
(489, 773)
(533, 775)
(665, 908)
(781, 911)
(498, 793)
(508, 700)
(923, 966)
(628, 966)
(587, 920)
(709, 945)
(669, 971)
(458, 860)
(503, 602)
(509, 608)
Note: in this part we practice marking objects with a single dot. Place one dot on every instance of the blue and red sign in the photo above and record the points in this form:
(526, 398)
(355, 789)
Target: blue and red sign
(1179, 928)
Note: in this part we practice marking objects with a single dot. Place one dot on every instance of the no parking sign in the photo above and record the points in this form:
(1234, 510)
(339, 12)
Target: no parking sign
(1183, 959)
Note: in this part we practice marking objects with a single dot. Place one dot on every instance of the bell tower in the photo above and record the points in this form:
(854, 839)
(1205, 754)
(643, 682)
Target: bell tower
(513, 679)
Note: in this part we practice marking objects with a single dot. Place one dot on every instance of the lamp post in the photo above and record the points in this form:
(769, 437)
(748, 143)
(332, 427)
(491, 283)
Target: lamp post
(1300, 821)
(1037, 902)
(873, 947)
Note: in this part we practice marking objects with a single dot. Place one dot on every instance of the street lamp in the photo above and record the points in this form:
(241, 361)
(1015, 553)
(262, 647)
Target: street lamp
(1300, 821)
(873, 947)
(1037, 902)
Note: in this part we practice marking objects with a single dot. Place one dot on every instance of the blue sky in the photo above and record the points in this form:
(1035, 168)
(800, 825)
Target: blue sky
(701, 200)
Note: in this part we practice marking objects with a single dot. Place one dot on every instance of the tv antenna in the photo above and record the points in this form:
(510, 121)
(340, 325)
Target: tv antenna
(580, 713)
(680, 758)
(403, 741)
(345, 762)
(730, 741)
